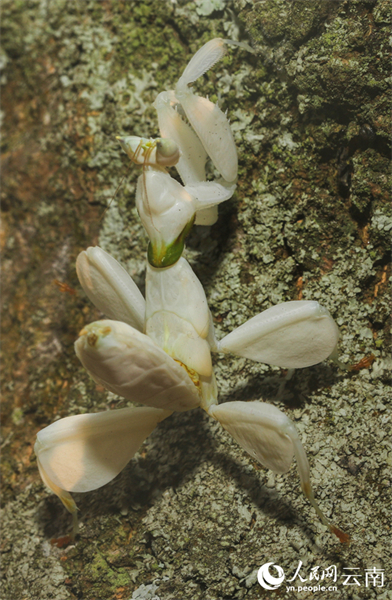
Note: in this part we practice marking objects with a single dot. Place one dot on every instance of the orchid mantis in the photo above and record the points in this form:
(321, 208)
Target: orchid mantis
(157, 351)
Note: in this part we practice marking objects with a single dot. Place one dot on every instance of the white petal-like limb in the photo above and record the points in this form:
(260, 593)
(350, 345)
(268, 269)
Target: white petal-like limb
(130, 364)
(209, 193)
(203, 60)
(84, 452)
(259, 428)
(213, 129)
(191, 165)
(290, 335)
(270, 437)
(206, 118)
(110, 288)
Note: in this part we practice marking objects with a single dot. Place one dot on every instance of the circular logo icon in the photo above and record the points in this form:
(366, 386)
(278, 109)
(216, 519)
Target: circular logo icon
(266, 580)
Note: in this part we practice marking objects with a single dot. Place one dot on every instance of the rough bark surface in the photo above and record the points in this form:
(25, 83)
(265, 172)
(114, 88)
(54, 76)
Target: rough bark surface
(192, 516)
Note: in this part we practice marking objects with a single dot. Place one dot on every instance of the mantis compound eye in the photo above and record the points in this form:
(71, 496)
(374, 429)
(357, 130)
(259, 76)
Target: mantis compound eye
(168, 152)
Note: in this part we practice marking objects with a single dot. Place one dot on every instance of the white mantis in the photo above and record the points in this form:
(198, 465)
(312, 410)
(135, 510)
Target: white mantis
(157, 351)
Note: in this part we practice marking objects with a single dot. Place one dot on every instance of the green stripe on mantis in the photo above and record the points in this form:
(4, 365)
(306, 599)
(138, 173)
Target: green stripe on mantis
(165, 256)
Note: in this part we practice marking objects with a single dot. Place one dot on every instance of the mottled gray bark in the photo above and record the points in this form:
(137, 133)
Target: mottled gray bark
(192, 516)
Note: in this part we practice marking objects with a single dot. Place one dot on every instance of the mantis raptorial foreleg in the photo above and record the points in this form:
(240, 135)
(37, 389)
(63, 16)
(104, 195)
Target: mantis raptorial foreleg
(209, 133)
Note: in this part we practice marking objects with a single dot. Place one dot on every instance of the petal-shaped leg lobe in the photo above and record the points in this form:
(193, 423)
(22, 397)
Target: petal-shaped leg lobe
(203, 60)
(213, 129)
(290, 335)
(110, 288)
(191, 166)
(268, 435)
(130, 364)
(84, 452)
(207, 194)
(258, 427)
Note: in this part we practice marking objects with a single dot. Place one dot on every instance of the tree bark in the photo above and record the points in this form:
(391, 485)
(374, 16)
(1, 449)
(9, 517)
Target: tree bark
(192, 516)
